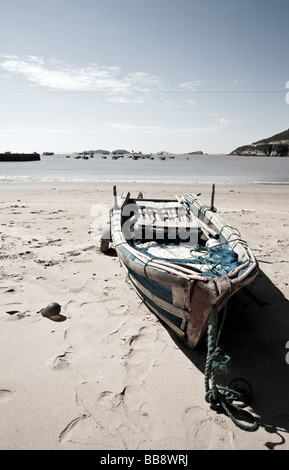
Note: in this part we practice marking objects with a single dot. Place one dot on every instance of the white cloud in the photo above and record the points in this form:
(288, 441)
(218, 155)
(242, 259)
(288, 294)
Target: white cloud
(189, 86)
(179, 103)
(144, 82)
(110, 82)
(223, 121)
(57, 75)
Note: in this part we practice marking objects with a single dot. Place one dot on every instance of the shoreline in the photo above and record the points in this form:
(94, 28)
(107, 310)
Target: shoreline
(48, 180)
(111, 376)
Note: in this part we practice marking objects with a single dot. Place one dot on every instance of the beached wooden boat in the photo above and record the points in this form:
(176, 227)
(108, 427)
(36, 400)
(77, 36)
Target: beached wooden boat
(185, 262)
(182, 258)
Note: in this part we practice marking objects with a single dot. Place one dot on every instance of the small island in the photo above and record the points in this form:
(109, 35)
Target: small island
(197, 152)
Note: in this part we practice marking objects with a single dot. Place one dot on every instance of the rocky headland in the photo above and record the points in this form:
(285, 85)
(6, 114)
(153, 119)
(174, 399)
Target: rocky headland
(275, 146)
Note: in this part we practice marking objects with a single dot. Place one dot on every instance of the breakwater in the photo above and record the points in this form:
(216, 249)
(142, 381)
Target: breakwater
(19, 157)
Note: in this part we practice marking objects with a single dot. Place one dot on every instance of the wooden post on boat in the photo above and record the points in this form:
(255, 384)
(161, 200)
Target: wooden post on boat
(115, 205)
(212, 199)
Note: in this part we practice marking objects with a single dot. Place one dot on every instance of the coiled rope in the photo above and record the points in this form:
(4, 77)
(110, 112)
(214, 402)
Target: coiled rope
(222, 398)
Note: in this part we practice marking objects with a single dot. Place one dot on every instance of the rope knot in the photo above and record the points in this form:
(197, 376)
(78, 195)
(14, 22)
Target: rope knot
(219, 360)
(212, 397)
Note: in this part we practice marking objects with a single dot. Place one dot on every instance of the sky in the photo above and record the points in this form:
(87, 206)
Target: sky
(142, 75)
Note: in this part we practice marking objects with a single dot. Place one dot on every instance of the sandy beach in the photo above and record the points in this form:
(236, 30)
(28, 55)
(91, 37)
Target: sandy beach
(110, 376)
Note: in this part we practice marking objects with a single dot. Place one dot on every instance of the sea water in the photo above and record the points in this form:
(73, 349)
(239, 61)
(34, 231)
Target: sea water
(174, 169)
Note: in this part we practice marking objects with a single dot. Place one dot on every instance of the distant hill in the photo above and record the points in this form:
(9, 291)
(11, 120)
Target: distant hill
(106, 152)
(275, 146)
(119, 152)
(197, 152)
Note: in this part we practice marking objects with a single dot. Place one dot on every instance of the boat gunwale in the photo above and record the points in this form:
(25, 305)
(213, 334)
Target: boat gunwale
(177, 269)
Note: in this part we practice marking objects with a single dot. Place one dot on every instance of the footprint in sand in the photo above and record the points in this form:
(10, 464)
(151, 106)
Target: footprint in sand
(59, 362)
(204, 432)
(16, 314)
(74, 431)
(101, 421)
(5, 395)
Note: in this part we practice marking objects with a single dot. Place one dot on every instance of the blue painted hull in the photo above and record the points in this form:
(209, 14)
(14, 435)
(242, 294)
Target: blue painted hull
(177, 292)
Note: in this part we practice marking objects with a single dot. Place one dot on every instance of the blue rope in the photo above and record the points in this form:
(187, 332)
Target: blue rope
(223, 398)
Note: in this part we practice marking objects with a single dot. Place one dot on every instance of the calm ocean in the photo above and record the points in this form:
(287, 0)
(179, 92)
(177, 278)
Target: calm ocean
(182, 168)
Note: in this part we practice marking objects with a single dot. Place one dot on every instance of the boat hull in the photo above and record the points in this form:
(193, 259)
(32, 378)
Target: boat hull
(179, 295)
(185, 306)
